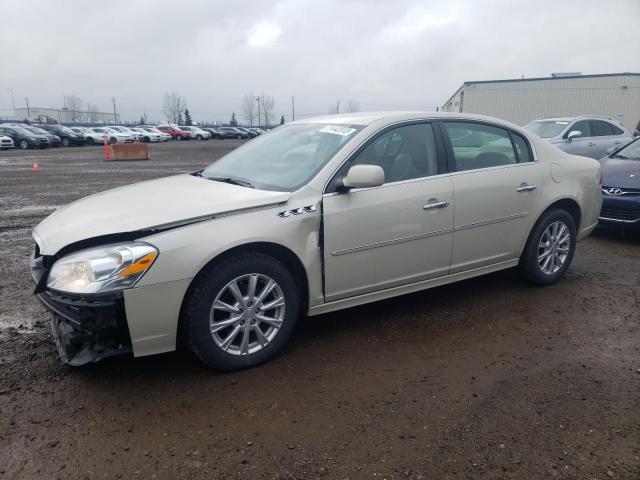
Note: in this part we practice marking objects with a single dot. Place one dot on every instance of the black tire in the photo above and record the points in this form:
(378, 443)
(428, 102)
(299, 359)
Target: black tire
(195, 323)
(146, 140)
(529, 264)
(90, 141)
(24, 144)
(113, 140)
(65, 142)
(198, 137)
(218, 137)
(178, 137)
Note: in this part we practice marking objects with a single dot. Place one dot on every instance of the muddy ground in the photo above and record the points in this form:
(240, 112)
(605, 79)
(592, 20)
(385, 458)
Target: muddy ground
(485, 379)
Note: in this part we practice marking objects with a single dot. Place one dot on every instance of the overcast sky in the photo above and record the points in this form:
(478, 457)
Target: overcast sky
(393, 54)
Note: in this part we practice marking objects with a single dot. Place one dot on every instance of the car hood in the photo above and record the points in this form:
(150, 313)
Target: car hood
(152, 205)
(617, 172)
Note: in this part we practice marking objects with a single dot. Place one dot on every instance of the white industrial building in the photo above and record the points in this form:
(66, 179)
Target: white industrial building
(561, 95)
(64, 115)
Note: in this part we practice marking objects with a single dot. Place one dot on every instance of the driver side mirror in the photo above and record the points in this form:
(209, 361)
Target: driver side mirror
(574, 134)
(363, 176)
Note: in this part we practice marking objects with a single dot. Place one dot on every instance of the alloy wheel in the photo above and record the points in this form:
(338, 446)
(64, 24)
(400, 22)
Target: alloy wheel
(247, 314)
(553, 248)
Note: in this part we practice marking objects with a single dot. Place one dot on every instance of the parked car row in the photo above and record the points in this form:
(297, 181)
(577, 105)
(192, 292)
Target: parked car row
(23, 135)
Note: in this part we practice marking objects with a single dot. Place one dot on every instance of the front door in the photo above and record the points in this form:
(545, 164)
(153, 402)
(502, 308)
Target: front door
(395, 234)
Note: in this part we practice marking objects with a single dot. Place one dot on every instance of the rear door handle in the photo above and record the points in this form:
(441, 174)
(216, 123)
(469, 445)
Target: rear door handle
(525, 188)
(435, 204)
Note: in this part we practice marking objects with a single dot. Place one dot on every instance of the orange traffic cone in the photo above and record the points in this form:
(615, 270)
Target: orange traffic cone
(36, 167)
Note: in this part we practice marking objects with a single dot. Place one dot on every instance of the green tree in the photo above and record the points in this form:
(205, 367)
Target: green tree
(282, 120)
(233, 122)
(187, 117)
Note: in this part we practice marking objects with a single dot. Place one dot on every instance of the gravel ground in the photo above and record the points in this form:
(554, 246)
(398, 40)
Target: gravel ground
(485, 379)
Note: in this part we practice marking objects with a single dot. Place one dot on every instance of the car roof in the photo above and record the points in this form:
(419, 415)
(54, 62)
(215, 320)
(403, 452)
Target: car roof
(367, 118)
(571, 119)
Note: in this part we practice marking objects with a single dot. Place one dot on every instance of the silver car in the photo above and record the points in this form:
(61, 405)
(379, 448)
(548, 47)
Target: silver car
(319, 215)
(586, 135)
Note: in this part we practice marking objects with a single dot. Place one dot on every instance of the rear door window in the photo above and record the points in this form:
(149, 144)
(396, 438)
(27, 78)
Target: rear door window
(600, 128)
(476, 145)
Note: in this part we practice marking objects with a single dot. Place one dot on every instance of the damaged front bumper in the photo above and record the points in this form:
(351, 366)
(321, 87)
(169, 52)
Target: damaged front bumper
(86, 328)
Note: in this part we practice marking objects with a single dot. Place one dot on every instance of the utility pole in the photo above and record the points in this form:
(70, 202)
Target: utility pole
(13, 101)
(293, 109)
(258, 100)
(26, 99)
(115, 115)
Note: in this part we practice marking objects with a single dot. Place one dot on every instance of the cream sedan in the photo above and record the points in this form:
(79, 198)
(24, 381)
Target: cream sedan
(320, 215)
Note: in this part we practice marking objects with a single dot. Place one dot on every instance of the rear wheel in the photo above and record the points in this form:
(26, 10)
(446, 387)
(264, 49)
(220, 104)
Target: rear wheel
(241, 312)
(24, 144)
(239, 137)
(65, 142)
(113, 140)
(90, 141)
(550, 248)
(178, 137)
(198, 137)
(146, 140)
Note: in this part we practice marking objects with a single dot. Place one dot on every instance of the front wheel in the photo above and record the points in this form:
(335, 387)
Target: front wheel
(198, 137)
(241, 312)
(90, 141)
(178, 137)
(550, 248)
(24, 144)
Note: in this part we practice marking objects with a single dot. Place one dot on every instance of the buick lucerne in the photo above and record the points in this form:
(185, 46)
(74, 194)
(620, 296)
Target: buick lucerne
(315, 216)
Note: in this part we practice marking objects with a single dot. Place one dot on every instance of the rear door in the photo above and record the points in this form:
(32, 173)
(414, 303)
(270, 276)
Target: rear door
(605, 135)
(497, 187)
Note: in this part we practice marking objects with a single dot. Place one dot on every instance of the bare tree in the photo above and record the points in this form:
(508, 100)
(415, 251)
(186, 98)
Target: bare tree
(352, 106)
(173, 105)
(73, 104)
(92, 112)
(267, 103)
(248, 107)
(335, 108)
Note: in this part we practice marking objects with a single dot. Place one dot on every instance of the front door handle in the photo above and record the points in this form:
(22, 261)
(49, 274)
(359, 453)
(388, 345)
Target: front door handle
(435, 204)
(525, 188)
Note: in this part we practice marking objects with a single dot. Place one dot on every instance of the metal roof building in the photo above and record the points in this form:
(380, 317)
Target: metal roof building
(63, 115)
(562, 94)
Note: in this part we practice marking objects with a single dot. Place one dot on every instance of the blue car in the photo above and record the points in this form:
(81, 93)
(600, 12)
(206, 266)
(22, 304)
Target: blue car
(621, 187)
(54, 140)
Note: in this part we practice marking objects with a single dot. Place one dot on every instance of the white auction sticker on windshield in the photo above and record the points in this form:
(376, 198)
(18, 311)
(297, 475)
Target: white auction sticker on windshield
(338, 130)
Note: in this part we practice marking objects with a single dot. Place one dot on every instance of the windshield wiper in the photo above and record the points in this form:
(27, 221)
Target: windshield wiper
(232, 181)
(617, 155)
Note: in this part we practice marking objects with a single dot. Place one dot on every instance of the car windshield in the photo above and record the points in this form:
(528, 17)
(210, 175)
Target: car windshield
(630, 152)
(22, 131)
(547, 129)
(37, 130)
(285, 159)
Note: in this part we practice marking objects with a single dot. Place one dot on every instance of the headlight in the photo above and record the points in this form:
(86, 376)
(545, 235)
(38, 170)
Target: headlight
(104, 269)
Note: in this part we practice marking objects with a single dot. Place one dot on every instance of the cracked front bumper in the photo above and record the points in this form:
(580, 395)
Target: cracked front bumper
(85, 328)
